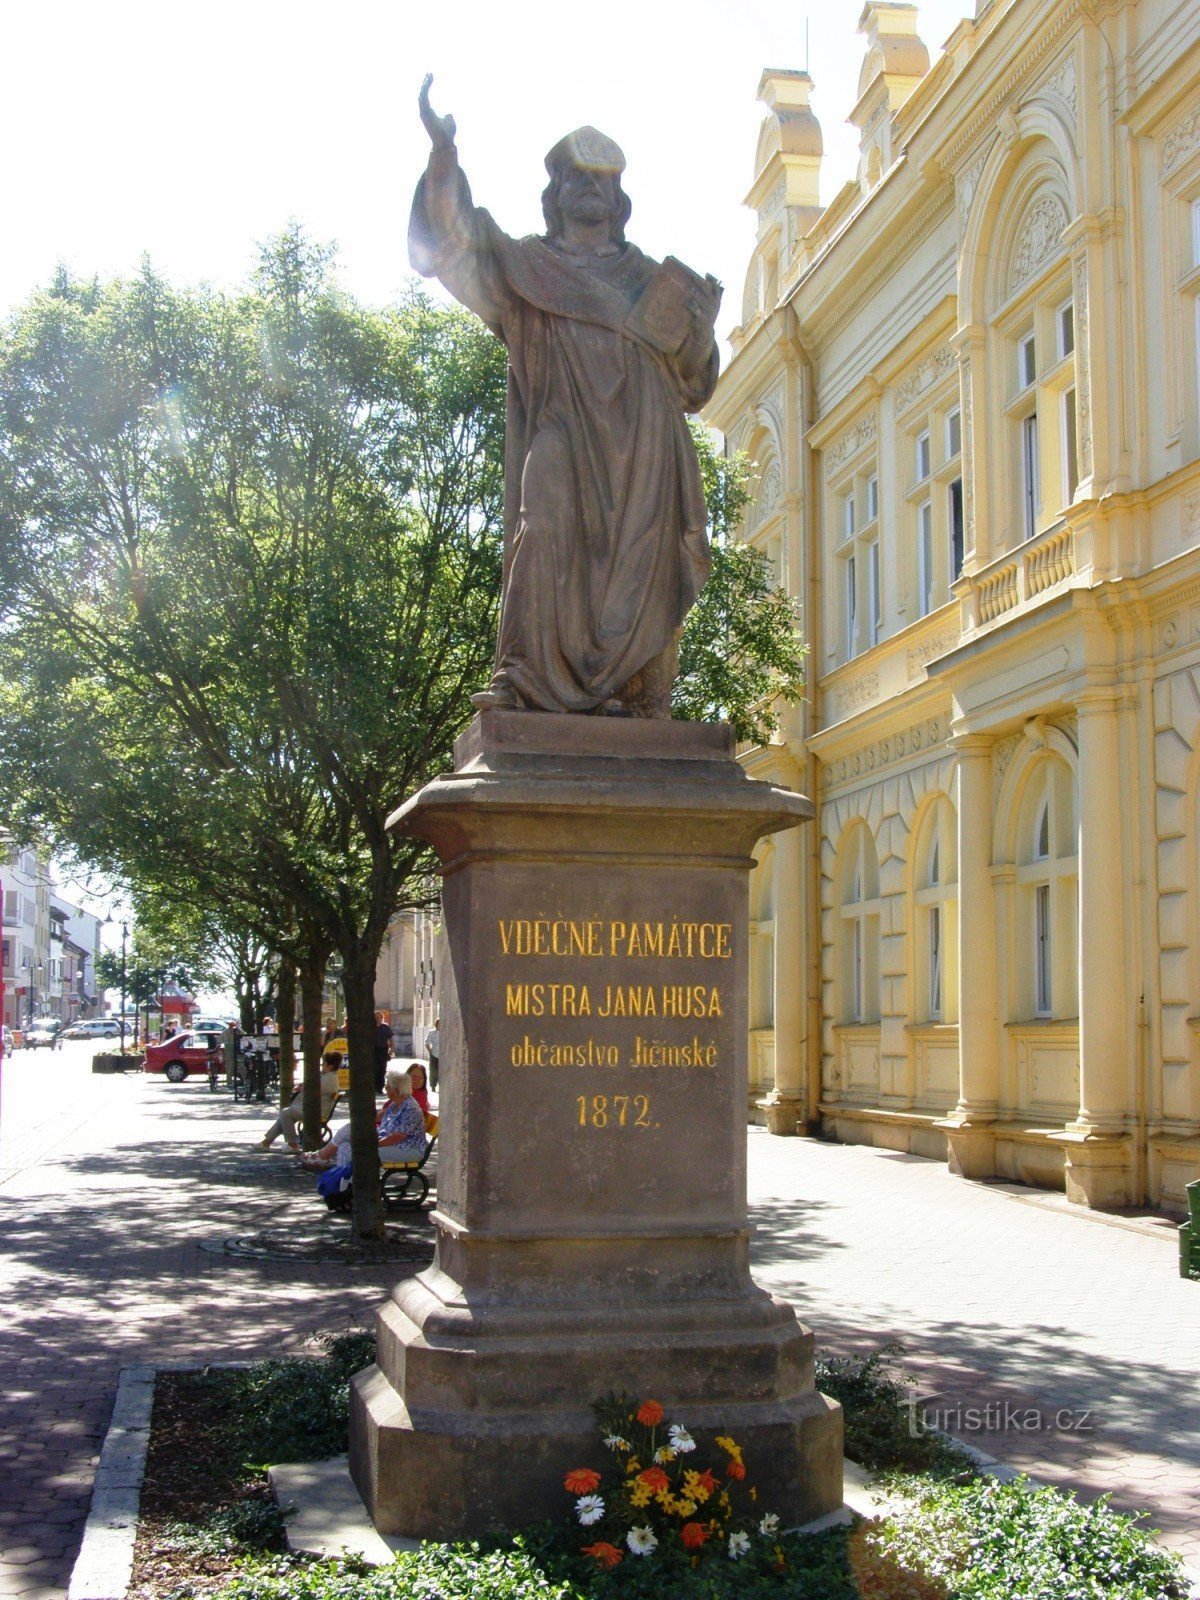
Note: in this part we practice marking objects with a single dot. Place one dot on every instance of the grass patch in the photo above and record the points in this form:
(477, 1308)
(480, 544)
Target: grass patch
(878, 1417)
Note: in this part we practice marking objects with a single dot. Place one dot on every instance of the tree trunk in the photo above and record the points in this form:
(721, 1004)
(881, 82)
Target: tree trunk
(312, 993)
(358, 982)
(286, 1019)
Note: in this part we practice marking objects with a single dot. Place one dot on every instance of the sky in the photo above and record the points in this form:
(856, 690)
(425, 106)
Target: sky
(191, 133)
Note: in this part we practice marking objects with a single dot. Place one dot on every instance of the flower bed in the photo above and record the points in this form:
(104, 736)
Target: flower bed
(672, 1516)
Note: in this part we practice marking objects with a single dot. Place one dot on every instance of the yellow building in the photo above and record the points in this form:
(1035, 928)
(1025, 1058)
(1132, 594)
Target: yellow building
(971, 386)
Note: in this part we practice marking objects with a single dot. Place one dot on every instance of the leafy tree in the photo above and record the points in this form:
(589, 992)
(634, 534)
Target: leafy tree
(250, 551)
(741, 651)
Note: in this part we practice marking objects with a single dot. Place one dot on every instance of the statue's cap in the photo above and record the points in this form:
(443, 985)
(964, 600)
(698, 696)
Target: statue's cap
(589, 148)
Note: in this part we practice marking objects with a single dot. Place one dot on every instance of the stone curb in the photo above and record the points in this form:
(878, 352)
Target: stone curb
(104, 1566)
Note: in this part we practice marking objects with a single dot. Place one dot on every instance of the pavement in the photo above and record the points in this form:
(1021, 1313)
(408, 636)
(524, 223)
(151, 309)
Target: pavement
(1072, 1338)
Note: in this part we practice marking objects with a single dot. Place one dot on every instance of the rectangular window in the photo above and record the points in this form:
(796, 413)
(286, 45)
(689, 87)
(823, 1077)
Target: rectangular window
(953, 434)
(848, 516)
(1070, 447)
(872, 498)
(1066, 329)
(925, 555)
(1027, 362)
(956, 529)
(1041, 904)
(1029, 474)
(7, 947)
(922, 456)
(876, 599)
(851, 607)
(12, 906)
(935, 963)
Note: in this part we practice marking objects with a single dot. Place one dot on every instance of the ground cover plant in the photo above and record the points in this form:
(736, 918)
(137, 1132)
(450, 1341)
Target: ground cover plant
(209, 1528)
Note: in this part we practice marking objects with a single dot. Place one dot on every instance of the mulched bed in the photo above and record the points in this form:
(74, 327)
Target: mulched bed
(188, 1476)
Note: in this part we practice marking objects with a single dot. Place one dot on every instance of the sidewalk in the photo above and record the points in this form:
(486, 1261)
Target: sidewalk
(1061, 1343)
(111, 1187)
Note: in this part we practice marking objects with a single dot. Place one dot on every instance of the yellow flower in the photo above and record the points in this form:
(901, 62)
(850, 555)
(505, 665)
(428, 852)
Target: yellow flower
(727, 1444)
(666, 1500)
(640, 1495)
(633, 1465)
(753, 1492)
(685, 1508)
(664, 1453)
(724, 1501)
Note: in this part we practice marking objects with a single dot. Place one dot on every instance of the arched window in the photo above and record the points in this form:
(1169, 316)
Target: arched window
(935, 923)
(859, 913)
(1047, 892)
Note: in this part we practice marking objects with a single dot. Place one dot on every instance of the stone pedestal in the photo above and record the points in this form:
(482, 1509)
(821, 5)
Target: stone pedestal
(591, 1223)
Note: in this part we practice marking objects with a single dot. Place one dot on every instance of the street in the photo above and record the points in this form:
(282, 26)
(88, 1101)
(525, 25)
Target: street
(1010, 1308)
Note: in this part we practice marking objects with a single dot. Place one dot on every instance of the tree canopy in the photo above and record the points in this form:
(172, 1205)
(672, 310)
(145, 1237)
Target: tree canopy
(250, 552)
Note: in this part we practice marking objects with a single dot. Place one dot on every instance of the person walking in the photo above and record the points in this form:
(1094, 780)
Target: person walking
(433, 1046)
(383, 1048)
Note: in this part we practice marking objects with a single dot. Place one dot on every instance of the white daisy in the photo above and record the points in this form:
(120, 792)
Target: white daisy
(589, 1508)
(614, 1441)
(681, 1439)
(739, 1543)
(641, 1541)
(769, 1525)
(664, 1453)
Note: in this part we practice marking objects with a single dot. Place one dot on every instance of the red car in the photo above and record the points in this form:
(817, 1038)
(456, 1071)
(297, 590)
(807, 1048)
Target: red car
(184, 1054)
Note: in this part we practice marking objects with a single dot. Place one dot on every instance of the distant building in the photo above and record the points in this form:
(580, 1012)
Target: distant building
(25, 934)
(82, 929)
(971, 386)
(405, 977)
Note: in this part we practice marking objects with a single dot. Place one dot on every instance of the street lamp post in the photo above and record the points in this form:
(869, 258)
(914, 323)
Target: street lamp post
(124, 937)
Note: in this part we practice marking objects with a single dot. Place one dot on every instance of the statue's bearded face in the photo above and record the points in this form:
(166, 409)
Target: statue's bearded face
(587, 196)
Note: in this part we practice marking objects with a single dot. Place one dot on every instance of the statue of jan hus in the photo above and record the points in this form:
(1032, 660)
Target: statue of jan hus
(605, 546)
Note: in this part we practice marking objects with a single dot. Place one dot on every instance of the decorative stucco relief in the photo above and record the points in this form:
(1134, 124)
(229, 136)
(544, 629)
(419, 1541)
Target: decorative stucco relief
(1039, 239)
(923, 377)
(922, 654)
(884, 752)
(1061, 84)
(1191, 518)
(861, 434)
(1083, 370)
(769, 495)
(1002, 753)
(1182, 142)
(859, 691)
(968, 183)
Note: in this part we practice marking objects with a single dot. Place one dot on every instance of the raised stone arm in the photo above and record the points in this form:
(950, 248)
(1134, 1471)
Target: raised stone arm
(441, 130)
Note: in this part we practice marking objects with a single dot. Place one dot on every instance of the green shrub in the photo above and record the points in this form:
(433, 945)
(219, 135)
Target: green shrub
(988, 1540)
(879, 1417)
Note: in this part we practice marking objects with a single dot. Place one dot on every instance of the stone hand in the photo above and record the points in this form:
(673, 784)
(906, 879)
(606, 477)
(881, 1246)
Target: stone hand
(441, 130)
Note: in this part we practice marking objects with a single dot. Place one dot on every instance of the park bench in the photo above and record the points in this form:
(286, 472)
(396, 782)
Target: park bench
(403, 1184)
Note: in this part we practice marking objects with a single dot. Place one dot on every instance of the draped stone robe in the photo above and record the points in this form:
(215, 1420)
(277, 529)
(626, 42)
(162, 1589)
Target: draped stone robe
(605, 543)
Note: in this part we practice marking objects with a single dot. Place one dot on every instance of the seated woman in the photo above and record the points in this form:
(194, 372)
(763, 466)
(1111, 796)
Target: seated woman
(400, 1126)
(285, 1122)
(420, 1085)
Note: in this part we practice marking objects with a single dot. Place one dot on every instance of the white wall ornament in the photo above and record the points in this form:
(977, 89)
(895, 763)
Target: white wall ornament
(858, 692)
(1182, 141)
(770, 494)
(935, 366)
(968, 183)
(1061, 84)
(1039, 239)
(929, 650)
(1083, 363)
(860, 434)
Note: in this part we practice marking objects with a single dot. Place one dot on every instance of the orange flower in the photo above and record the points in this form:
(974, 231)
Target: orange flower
(581, 1481)
(649, 1413)
(606, 1555)
(693, 1535)
(735, 1469)
(707, 1482)
(655, 1479)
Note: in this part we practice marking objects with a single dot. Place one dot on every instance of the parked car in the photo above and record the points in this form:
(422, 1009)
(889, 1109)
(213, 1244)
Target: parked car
(93, 1028)
(7, 1046)
(183, 1054)
(41, 1034)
